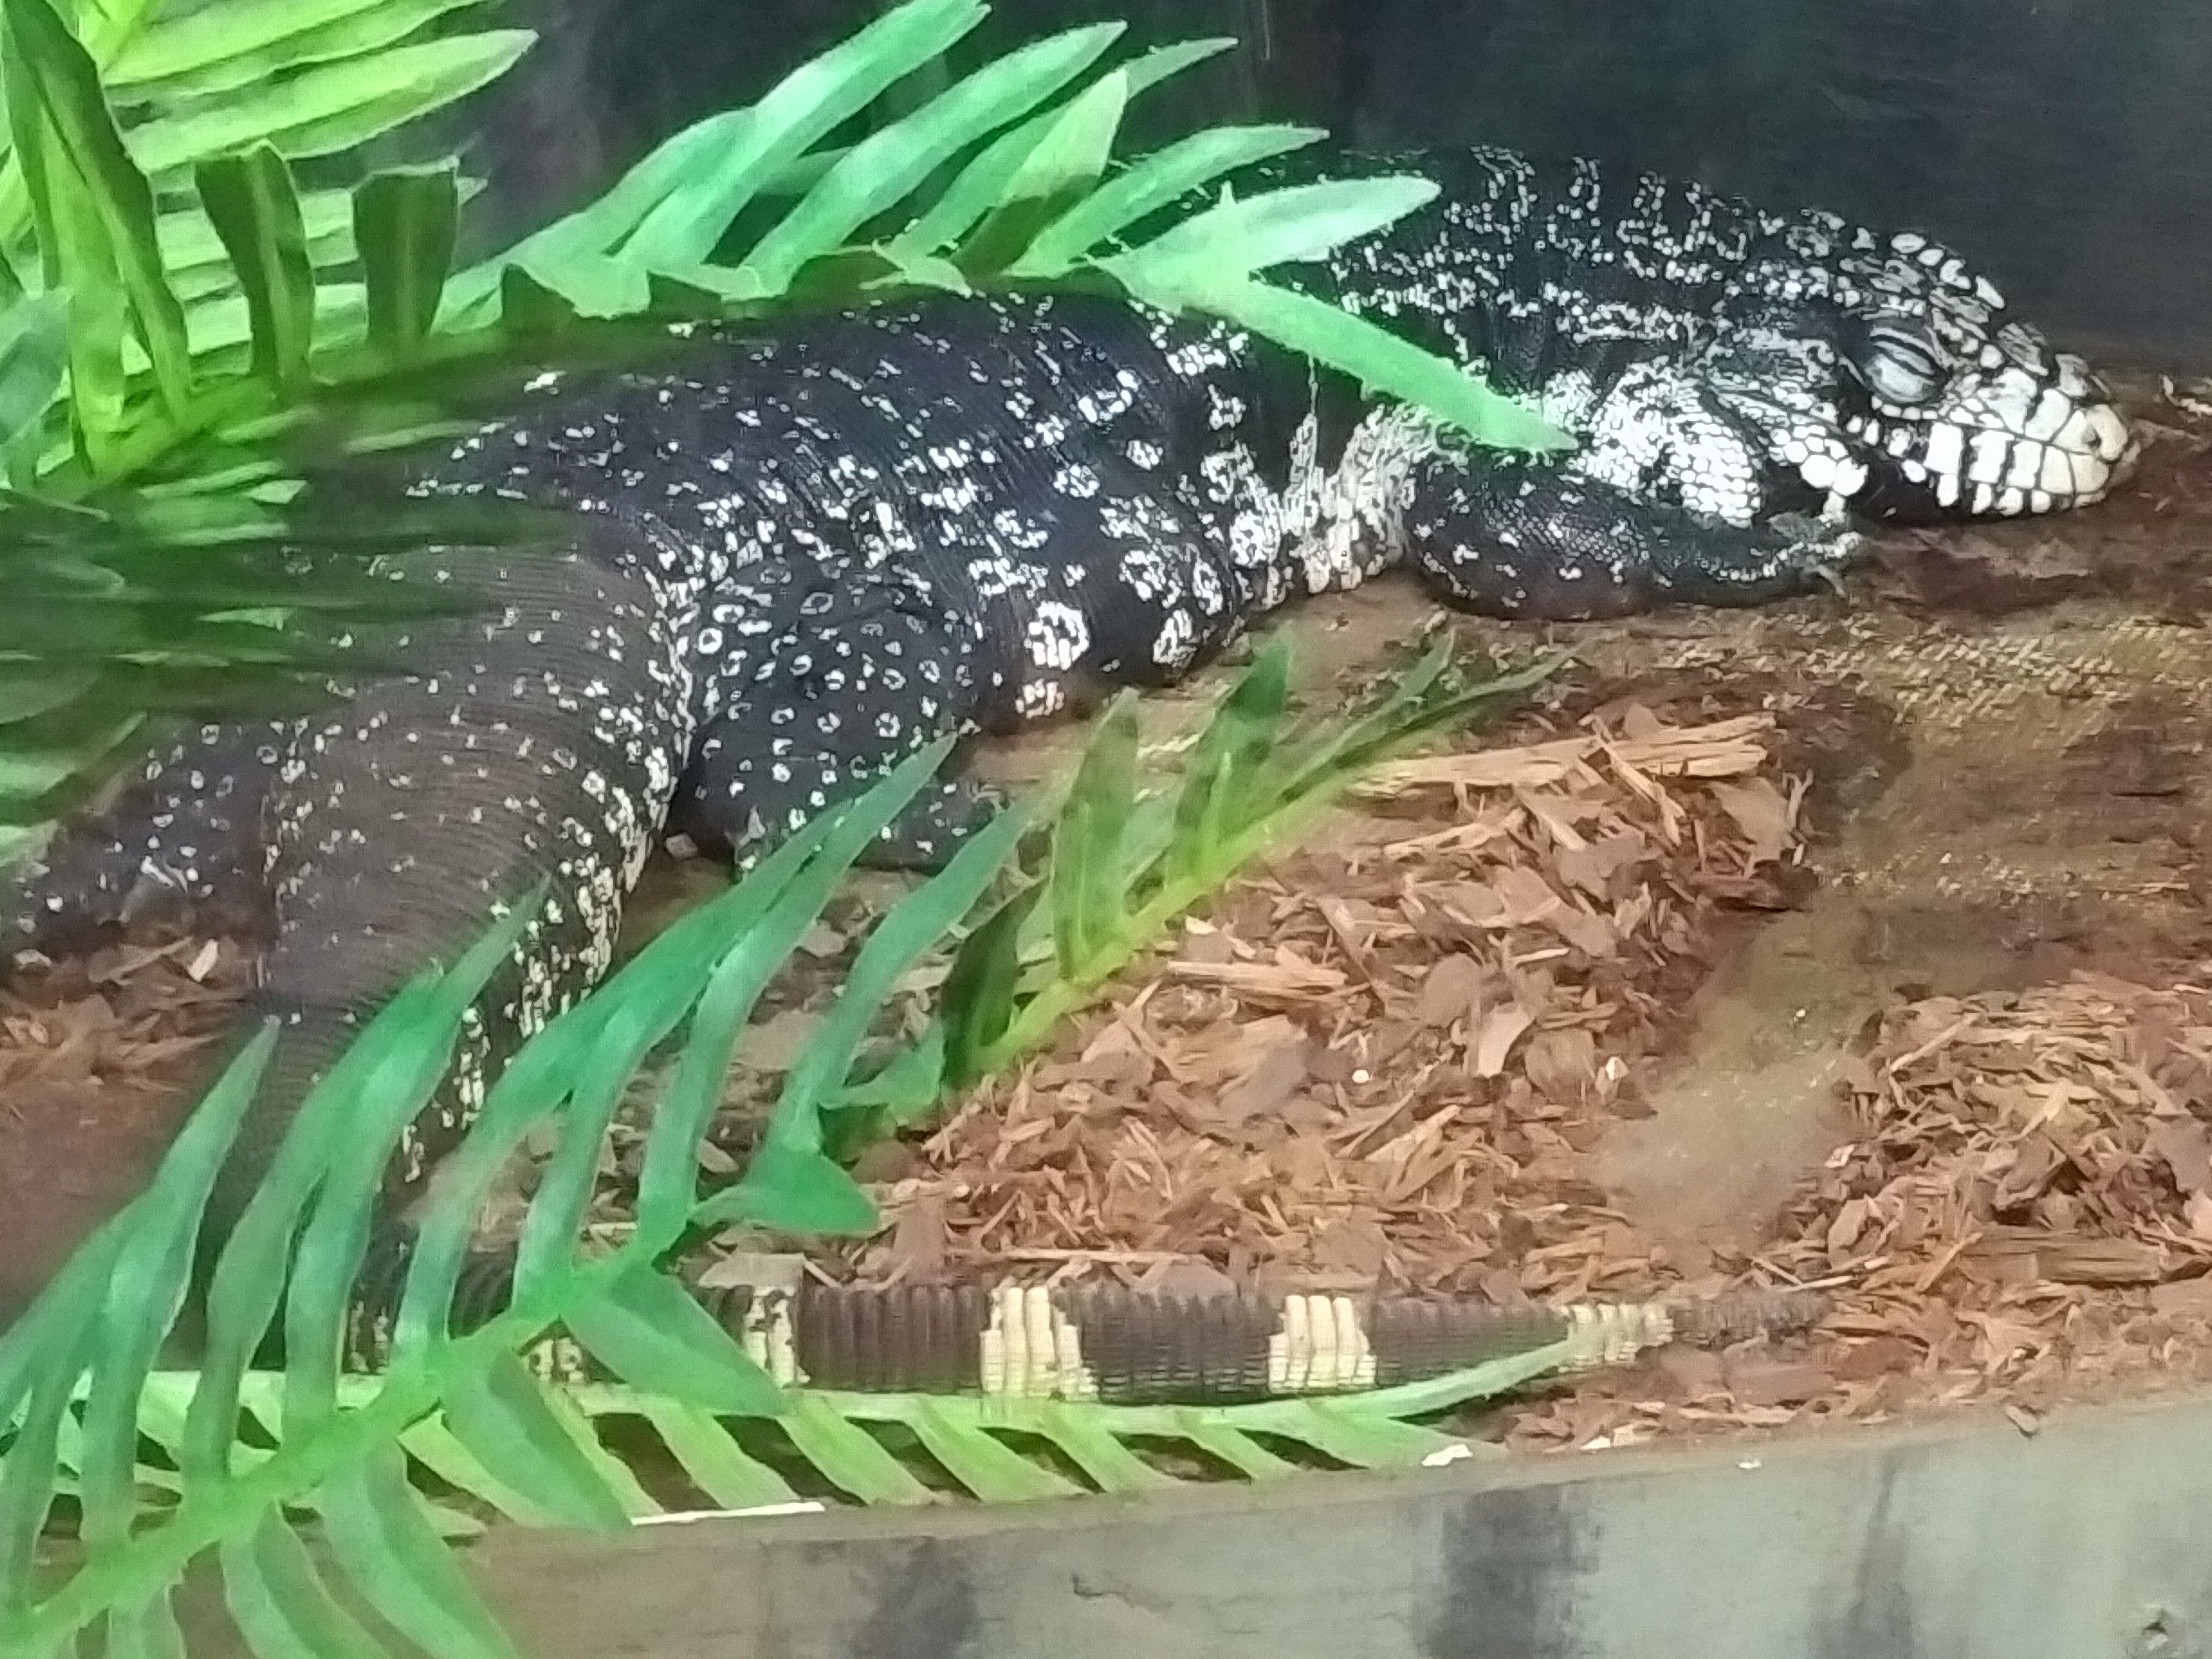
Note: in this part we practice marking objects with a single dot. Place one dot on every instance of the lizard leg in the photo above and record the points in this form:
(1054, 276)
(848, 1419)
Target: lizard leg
(1533, 541)
(539, 747)
(833, 682)
(182, 840)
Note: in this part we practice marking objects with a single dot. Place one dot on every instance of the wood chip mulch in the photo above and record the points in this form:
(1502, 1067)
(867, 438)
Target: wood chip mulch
(2024, 1217)
(1387, 1057)
(1390, 1057)
(94, 1051)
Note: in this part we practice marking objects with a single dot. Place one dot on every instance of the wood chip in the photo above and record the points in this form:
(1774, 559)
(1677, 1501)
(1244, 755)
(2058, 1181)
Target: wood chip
(1451, 990)
(1724, 748)
(1501, 1028)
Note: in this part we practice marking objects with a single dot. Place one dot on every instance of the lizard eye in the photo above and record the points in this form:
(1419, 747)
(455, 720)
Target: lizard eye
(1900, 365)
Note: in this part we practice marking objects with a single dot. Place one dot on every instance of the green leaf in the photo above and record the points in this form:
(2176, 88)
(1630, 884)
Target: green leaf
(33, 352)
(1042, 156)
(915, 270)
(1091, 1444)
(77, 1290)
(148, 1287)
(194, 252)
(884, 169)
(986, 1466)
(1363, 1438)
(499, 1411)
(692, 185)
(649, 1330)
(250, 200)
(216, 48)
(1239, 1450)
(1379, 359)
(569, 261)
(650, 992)
(27, 692)
(1216, 797)
(532, 1088)
(147, 1631)
(81, 152)
(32, 769)
(1157, 181)
(1086, 853)
(78, 260)
(919, 920)
(794, 1190)
(400, 1564)
(801, 875)
(905, 1087)
(1419, 703)
(848, 1456)
(1050, 154)
(717, 1465)
(668, 1185)
(1075, 144)
(332, 108)
(99, 319)
(1279, 226)
(406, 222)
(633, 1028)
(1149, 69)
(282, 1608)
(334, 1242)
(805, 107)
(430, 1443)
(977, 1003)
(28, 1472)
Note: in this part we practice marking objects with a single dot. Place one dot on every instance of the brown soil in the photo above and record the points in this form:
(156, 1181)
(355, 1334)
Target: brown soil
(97, 1058)
(1610, 1028)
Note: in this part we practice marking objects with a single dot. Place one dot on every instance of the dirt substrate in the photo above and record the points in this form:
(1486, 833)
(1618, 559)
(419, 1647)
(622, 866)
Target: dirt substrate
(1856, 944)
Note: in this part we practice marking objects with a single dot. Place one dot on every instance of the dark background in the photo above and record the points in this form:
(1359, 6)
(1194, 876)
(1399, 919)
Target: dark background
(2063, 145)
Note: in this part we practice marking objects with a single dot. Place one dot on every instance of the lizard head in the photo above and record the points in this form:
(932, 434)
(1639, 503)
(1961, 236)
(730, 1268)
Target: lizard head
(1955, 409)
(1880, 378)
(1999, 425)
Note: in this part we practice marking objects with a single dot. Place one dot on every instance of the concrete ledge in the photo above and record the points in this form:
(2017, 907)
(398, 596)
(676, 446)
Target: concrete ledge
(1965, 1540)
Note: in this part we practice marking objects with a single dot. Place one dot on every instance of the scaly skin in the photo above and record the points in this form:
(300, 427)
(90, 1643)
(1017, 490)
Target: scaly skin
(801, 555)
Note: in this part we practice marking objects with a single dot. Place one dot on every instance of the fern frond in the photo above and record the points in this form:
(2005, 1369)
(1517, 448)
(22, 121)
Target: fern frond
(251, 1458)
(299, 1251)
(1127, 861)
(217, 312)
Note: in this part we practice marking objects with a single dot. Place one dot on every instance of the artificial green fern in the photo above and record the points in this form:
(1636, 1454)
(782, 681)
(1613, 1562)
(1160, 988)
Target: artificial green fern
(1126, 861)
(187, 313)
(78, 1387)
(192, 295)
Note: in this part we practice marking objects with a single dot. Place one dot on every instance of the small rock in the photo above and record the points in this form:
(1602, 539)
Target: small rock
(1696, 1373)
(1193, 1278)
(1882, 1356)
(2184, 1296)
(777, 1043)
(1756, 1382)
(884, 1161)
(759, 1269)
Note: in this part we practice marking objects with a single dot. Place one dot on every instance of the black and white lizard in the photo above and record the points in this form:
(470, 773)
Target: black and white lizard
(797, 555)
